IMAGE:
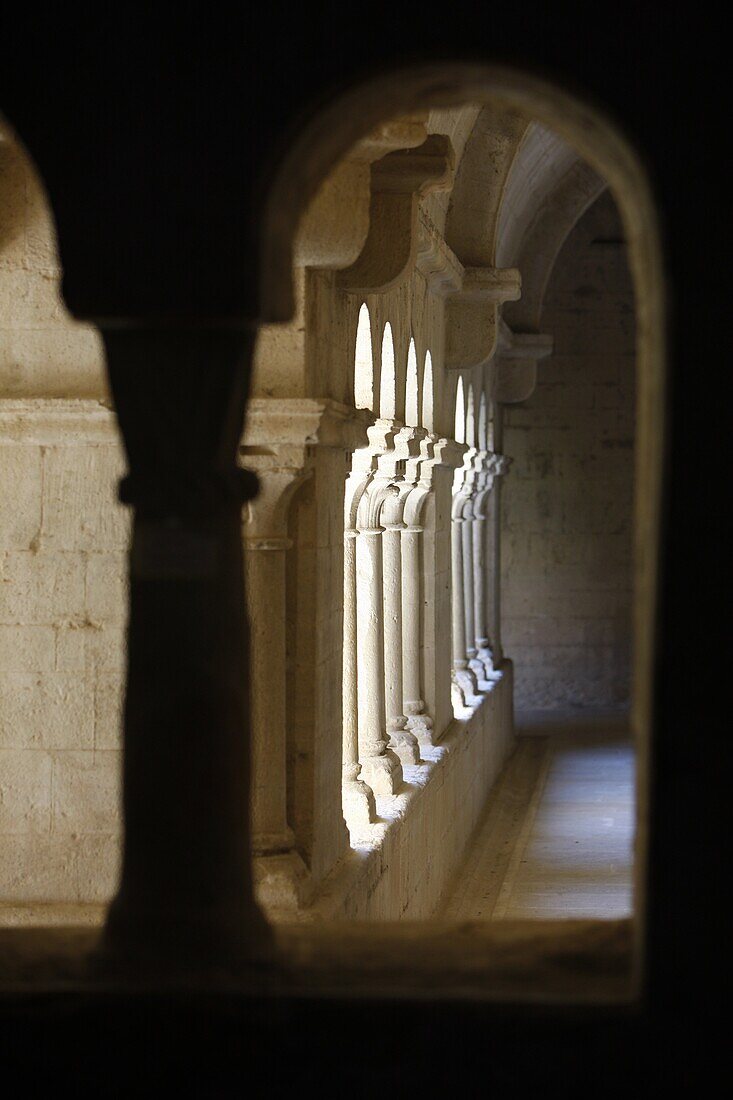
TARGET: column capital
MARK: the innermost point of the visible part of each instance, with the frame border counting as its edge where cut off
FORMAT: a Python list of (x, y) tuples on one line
[(304, 422), (517, 356), (472, 315), (449, 453)]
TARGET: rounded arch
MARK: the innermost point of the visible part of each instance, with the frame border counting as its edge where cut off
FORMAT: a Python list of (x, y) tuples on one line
[(403, 89), (459, 431), (387, 376), (364, 362), (412, 391)]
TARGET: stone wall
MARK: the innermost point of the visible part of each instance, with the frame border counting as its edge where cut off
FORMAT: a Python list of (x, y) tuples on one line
[(62, 610), (567, 543)]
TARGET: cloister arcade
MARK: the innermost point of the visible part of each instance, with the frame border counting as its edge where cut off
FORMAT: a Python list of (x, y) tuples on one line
[(381, 697)]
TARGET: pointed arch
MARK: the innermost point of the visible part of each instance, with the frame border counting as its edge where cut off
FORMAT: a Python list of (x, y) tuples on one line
[(412, 393), (364, 362), (388, 376), (427, 412), (460, 422), (482, 438), (470, 419)]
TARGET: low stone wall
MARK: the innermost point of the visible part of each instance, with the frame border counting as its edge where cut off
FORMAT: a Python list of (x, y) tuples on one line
[(402, 866)]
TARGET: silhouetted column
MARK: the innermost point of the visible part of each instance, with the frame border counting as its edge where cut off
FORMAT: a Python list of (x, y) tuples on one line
[(185, 894)]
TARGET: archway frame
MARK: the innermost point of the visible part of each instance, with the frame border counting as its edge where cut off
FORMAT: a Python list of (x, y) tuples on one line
[(351, 115)]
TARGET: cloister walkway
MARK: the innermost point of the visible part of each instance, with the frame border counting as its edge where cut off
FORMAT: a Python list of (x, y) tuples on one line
[(557, 835)]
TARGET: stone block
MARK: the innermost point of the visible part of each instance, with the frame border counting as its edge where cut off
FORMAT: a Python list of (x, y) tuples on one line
[(86, 792), (27, 648), (40, 586), (80, 509), (20, 495), (107, 589), (25, 791), (50, 710)]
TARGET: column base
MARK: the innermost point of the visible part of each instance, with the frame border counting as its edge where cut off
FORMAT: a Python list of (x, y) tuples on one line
[(281, 881), (359, 806), (467, 688), (383, 773), (421, 725), (404, 745), (485, 655)]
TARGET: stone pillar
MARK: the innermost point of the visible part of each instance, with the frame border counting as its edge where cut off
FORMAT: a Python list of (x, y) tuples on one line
[(502, 463), (265, 541), (413, 590), (474, 663), (185, 896), (381, 767), (299, 448), (483, 642), (401, 738), (358, 798), (464, 680)]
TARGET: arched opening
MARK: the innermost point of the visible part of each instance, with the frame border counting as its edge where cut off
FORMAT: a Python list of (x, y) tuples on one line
[(483, 437), (387, 376), (364, 362), (460, 414), (399, 511), (552, 166), (412, 393), (428, 396)]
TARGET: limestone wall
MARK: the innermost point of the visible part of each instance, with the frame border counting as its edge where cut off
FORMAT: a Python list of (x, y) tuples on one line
[(62, 610), (567, 543)]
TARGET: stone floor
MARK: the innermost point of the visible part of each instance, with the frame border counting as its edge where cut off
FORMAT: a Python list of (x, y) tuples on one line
[(556, 840)]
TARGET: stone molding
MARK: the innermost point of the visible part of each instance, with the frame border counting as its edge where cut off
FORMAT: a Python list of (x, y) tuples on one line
[(398, 181), (57, 421), (517, 356)]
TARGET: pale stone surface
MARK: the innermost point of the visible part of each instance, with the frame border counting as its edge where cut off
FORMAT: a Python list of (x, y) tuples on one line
[(557, 837), (568, 502), (63, 600), (63, 603)]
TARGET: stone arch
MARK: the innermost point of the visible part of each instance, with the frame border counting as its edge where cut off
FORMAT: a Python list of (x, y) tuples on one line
[(387, 375), (470, 437), (403, 89), (412, 390), (482, 440), (427, 405), (364, 361), (460, 413), (57, 357)]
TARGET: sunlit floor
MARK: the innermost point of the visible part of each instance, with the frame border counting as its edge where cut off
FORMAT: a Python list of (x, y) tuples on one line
[(557, 837)]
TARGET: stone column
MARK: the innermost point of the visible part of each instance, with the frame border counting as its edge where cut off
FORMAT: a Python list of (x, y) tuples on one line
[(381, 767), (185, 896), (299, 448), (358, 797), (266, 543), (401, 738), (464, 680), (483, 642), (502, 463)]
